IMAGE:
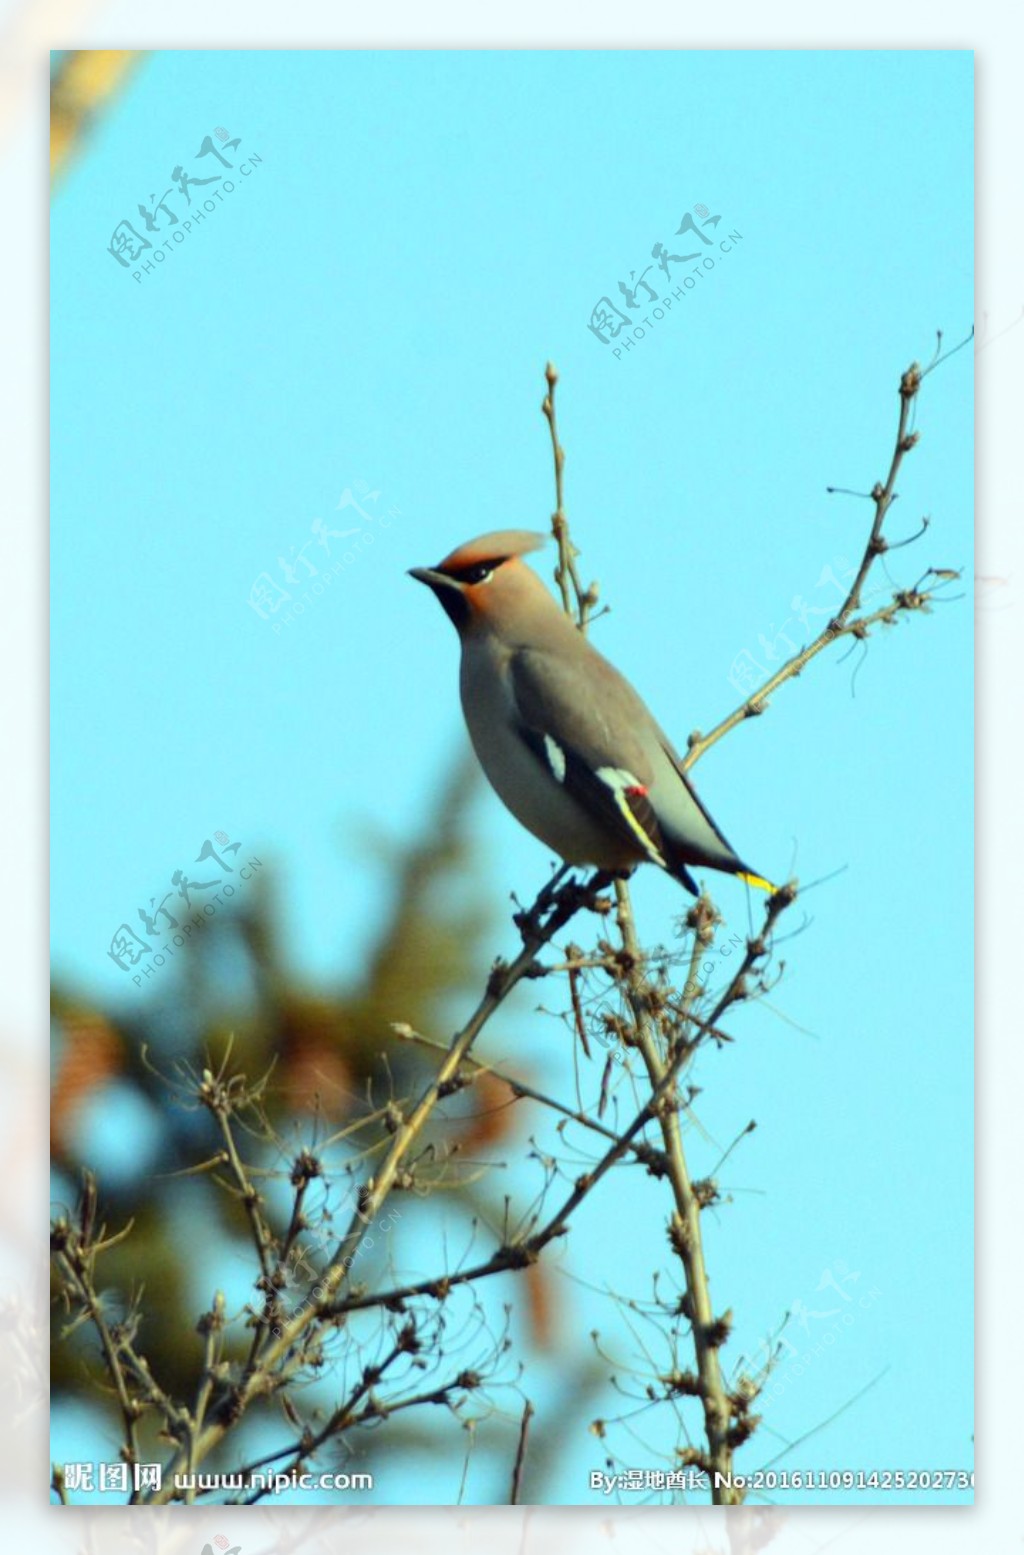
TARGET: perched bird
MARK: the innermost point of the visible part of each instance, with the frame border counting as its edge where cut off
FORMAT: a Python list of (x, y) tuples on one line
[(563, 738)]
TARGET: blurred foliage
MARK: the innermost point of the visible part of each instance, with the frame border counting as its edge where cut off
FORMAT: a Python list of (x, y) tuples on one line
[(331, 1060), (83, 82)]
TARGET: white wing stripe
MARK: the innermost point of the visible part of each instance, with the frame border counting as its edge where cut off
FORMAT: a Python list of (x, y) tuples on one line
[(556, 758)]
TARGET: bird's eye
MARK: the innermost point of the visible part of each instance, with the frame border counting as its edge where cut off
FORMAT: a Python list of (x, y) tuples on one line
[(475, 572)]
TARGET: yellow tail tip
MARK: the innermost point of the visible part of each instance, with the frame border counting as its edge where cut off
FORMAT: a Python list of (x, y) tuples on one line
[(757, 880)]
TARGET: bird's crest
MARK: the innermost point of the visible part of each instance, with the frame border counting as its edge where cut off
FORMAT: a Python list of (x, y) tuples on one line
[(498, 546)]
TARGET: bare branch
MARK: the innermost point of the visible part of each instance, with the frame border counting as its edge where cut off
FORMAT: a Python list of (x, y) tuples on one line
[(845, 622), (520, 1463)]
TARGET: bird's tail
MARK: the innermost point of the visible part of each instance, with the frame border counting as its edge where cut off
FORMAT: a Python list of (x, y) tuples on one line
[(756, 880), (682, 874)]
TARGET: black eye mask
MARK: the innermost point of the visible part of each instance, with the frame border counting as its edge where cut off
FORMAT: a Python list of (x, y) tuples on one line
[(473, 574)]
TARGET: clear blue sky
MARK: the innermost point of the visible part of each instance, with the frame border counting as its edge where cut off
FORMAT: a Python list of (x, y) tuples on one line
[(370, 311)]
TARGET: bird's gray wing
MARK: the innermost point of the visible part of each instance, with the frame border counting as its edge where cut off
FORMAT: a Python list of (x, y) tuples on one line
[(580, 714), (584, 724)]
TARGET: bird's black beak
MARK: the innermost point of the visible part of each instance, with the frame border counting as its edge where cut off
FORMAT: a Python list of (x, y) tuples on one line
[(433, 579), (446, 591)]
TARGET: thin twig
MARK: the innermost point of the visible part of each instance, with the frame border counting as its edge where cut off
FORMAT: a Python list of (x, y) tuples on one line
[(685, 1228), (577, 601), (844, 622), (520, 1463), (708, 1332), (76, 1249), (520, 1088), (550, 913), (521, 1254)]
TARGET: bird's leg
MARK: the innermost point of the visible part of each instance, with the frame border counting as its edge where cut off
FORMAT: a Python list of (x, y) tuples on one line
[(588, 893), (558, 876), (600, 881), (549, 894), (558, 902), (528, 919)]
